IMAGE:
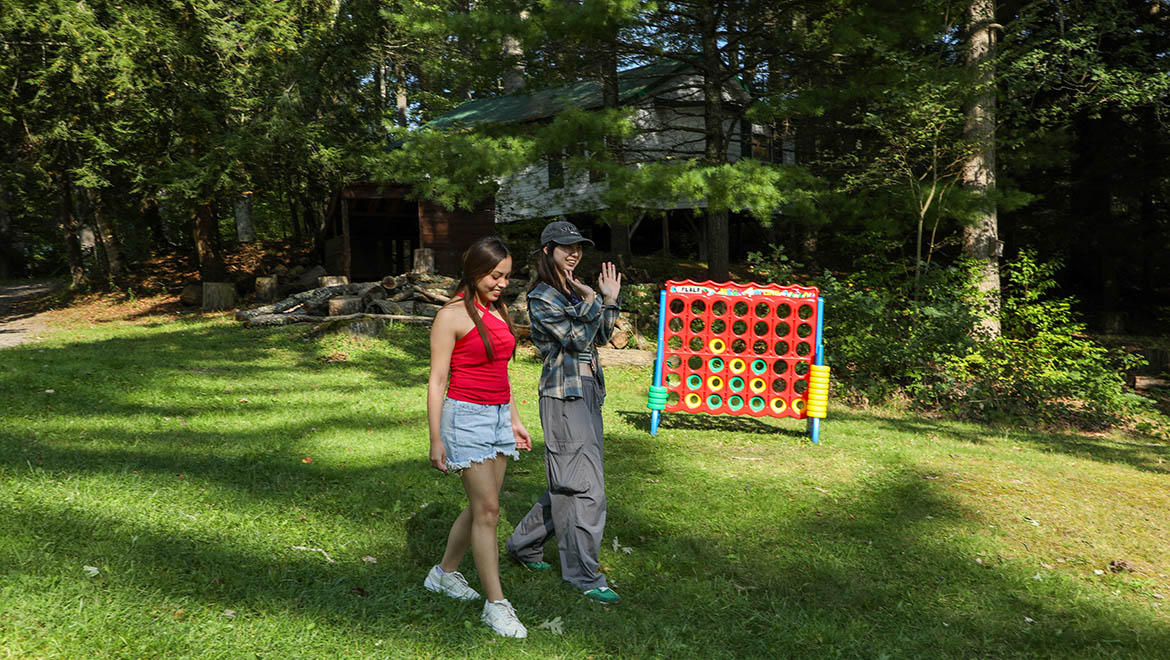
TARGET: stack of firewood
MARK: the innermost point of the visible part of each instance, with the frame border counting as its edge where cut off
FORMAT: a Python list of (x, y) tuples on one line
[(412, 298)]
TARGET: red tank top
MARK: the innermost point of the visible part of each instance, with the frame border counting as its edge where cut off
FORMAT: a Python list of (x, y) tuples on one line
[(474, 377)]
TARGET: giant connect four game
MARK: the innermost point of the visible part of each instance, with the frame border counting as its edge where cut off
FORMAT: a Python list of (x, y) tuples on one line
[(740, 349)]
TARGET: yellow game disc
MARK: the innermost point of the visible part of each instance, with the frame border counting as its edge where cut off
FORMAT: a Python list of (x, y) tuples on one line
[(738, 366), (717, 345), (757, 385), (778, 405), (715, 383), (693, 400)]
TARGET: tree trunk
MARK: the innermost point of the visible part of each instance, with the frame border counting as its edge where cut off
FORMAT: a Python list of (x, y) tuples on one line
[(152, 218), (107, 236), (69, 228), (400, 92), (513, 53), (715, 149), (211, 263), (981, 238), (245, 229)]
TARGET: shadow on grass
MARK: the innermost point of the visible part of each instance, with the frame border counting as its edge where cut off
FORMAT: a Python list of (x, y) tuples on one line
[(718, 567), (704, 422), (1145, 456)]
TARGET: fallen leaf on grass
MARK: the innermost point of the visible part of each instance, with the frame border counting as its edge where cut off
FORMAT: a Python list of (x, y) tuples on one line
[(50, 391), (91, 571), (1119, 565), (231, 614), (617, 547), (359, 592), (244, 401), (335, 356), (1029, 620), (307, 459), (369, 560), (1097, 571), (555, 626)]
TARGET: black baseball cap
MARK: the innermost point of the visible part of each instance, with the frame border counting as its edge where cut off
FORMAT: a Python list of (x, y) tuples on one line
[(562, 232)]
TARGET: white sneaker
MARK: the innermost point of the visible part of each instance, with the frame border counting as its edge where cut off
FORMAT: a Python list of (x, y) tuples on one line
[(453, 584), (501, 617)]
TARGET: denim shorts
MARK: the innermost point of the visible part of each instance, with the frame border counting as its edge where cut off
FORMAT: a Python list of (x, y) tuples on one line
[(476, 432)]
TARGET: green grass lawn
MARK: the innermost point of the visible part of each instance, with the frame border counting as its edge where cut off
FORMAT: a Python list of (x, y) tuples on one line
[(187, 460)]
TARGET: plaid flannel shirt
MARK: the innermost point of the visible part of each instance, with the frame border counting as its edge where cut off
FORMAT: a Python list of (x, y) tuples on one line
[(562, 330)]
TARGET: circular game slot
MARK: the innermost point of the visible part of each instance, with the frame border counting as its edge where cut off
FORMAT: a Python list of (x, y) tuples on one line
[(675, 324), (779, 385), (759, 366), (803, 330), (693, 400), (779, 367), (694, 381), (757, 385), (714, 383), (718, 326), (781, 348), (697, 325), (760, 328), (694, 363), (698, 307), (715, 364), (717, 345), (739, 327), (800, 368), (778, 405), (735, 402), (719, 308), (713, 401), (672, 399), (738, 346), (674, 342), (762, 309), (735, 383), (696, 344), (737, 365), (673, 379), (800, 387), (783, 311), (740, 308), (782, 329), (760, 347), (798, 405), (674, 361), (677, 305), (803, 348), (805, 311), (756, 403)]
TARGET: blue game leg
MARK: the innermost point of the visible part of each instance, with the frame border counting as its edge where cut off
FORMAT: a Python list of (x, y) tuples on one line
[(655, 415), (814, 426)]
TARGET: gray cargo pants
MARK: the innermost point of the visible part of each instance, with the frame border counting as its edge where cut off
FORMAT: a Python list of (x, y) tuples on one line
[(573, 507)]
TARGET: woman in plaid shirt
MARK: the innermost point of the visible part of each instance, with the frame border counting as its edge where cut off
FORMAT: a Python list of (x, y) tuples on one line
[(568, 321)]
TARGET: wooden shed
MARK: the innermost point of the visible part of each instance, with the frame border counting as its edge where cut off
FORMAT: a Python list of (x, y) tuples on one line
[(373, 230)]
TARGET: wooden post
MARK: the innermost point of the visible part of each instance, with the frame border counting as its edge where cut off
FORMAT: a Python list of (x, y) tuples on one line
[(266, 288), (218, 295), (424, 261), (345, 250)]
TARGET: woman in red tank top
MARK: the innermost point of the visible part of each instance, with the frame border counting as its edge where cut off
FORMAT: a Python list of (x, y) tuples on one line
[(473, 425)]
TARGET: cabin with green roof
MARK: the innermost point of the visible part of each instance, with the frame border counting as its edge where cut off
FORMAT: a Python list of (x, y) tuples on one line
[(667, 102)]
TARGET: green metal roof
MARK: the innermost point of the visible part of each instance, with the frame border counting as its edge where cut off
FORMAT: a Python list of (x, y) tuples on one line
[(633, 84)]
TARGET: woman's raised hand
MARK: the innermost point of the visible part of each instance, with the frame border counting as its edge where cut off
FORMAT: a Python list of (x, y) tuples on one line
[(609, 282)]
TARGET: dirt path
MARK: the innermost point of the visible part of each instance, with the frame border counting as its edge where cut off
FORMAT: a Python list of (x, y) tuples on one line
[(16, 325)]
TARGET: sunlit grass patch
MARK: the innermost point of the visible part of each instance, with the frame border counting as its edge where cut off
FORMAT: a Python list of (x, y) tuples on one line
[(231, 486)]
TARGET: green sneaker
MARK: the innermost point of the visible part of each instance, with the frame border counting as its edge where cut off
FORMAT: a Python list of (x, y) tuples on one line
[(603, 595), (538, 566)]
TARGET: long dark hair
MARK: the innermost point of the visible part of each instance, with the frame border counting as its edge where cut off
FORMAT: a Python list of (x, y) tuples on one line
[(546, 271), (479, 260)]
